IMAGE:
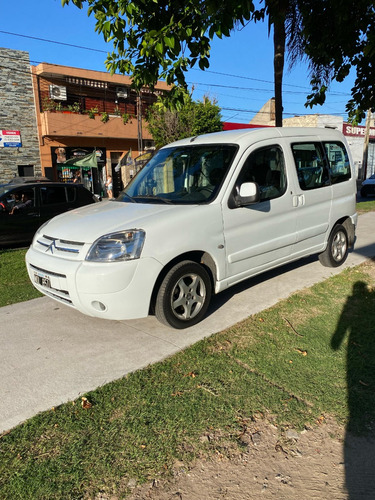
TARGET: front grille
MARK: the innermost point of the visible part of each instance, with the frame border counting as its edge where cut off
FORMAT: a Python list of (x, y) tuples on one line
[(58, 247)]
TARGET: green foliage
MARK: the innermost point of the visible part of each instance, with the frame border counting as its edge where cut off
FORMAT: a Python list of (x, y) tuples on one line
[(192, 118), (92, 112), (104, 117), (15, 284), (126, 117), (344, 42), (162, 39)]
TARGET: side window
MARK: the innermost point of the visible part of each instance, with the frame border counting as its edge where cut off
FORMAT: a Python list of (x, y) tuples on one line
[(52, 195), (71, 193), (311, 166), (338, 159), (23, 198), (266, 167), (83, 195)]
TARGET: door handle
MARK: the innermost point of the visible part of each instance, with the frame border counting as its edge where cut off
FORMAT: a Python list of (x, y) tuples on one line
[(298, 200)]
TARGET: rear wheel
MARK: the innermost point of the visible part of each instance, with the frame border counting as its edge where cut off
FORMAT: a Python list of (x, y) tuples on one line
[(184, 295), (337, 248)]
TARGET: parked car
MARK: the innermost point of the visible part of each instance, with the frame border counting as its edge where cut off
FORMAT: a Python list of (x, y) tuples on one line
[(368, 186), (19, 222), (202, 215)]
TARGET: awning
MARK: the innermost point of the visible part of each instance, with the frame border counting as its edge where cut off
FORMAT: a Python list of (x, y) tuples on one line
[(88, 161)]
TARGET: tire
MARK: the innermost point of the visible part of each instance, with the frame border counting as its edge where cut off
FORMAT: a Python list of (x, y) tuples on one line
[(337, 248), (184, 295)]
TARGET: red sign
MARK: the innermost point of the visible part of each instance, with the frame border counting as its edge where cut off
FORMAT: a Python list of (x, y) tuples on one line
[(356, 130), (10, 138)]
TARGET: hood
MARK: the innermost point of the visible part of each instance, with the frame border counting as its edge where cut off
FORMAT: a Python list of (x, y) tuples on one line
[(88, 223)]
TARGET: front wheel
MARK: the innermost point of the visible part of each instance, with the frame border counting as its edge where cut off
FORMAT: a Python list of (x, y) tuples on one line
[(184, 295), (337, 248)]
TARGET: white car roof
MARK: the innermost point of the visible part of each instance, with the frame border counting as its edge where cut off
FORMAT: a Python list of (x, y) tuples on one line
[(247, 136)]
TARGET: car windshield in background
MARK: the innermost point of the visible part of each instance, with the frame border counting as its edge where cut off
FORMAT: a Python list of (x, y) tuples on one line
[(5, 188), (184, 174)]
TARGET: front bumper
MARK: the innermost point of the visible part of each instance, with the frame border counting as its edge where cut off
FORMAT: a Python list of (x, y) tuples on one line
[(117, 291)]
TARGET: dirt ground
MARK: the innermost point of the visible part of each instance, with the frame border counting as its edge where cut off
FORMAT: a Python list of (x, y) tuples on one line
[(315, 464)]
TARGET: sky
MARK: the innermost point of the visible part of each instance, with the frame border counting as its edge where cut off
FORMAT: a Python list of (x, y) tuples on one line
[(240, 76)]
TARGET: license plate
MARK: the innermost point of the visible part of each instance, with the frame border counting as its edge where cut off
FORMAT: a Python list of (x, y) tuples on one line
[(42, 280)]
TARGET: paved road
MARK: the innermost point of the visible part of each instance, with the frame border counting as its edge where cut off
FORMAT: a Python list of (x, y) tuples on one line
[(51, 354)]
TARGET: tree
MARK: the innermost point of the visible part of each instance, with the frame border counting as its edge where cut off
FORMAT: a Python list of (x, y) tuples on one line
[(193, 118), (161, 39), (344, 41), (285, 18)]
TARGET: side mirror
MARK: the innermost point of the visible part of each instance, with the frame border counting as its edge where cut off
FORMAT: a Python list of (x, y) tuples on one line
[(248, 194)]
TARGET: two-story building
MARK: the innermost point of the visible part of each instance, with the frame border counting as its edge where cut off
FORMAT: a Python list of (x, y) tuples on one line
[(79, 111)]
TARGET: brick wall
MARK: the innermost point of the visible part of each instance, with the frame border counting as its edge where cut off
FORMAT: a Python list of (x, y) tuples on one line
[(17, 112)]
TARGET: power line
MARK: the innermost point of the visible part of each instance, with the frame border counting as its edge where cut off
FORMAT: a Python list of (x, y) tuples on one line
[(232, 87), (241, 110), (252, 88), (54, 41), (194, 69), (248, 78)]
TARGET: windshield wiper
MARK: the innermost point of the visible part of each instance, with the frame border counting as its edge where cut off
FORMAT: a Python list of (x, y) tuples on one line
[(123, 194), (153, 198)]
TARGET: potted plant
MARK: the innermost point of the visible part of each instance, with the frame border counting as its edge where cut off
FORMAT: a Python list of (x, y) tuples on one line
[(104, 117), (92, 112), (48, 104), (126, 117), (74, 108)]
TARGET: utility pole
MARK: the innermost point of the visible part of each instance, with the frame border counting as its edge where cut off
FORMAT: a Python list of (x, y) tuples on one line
[(139, 121), (365, 145)]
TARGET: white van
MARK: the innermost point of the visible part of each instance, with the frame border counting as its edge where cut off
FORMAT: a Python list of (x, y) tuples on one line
[(204, 214)]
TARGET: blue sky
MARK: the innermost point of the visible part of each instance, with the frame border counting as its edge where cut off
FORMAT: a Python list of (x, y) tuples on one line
[(240, 76)]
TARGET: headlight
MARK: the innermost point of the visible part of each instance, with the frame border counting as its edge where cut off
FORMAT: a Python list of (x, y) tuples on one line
[(114, 247)]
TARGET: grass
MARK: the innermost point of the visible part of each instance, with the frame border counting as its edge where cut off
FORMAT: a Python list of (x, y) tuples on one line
[(310, 357), (15, 284), (366, 206)]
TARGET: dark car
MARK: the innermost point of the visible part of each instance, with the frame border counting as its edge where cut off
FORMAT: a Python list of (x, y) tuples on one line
[(368, 186), (26, 206)]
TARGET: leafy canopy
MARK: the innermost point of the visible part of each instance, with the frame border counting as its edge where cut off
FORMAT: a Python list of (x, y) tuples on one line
[(194, 118), (339, 37), (161, 39)]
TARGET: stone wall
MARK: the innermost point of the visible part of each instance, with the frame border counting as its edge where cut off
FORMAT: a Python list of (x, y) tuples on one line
[(17, 112)]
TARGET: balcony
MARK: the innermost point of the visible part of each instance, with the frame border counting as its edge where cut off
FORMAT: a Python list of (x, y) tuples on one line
[(70, 124)]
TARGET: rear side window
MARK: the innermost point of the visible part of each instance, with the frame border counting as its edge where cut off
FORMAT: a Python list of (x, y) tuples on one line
[(311, 165), (82, 195), (338, 160), (52, 195), (266, 167), (71, 193)]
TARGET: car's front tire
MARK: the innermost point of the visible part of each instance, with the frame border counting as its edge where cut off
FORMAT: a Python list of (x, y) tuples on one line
[(184, 295)]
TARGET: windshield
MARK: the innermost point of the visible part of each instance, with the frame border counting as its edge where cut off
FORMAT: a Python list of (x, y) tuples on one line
[(4, 188), (183, 174)]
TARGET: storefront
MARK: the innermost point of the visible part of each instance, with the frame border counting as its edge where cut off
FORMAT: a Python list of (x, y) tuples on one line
[(67, 164)]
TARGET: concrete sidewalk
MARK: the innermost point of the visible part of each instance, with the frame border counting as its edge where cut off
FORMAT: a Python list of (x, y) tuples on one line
[(51, 354)]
